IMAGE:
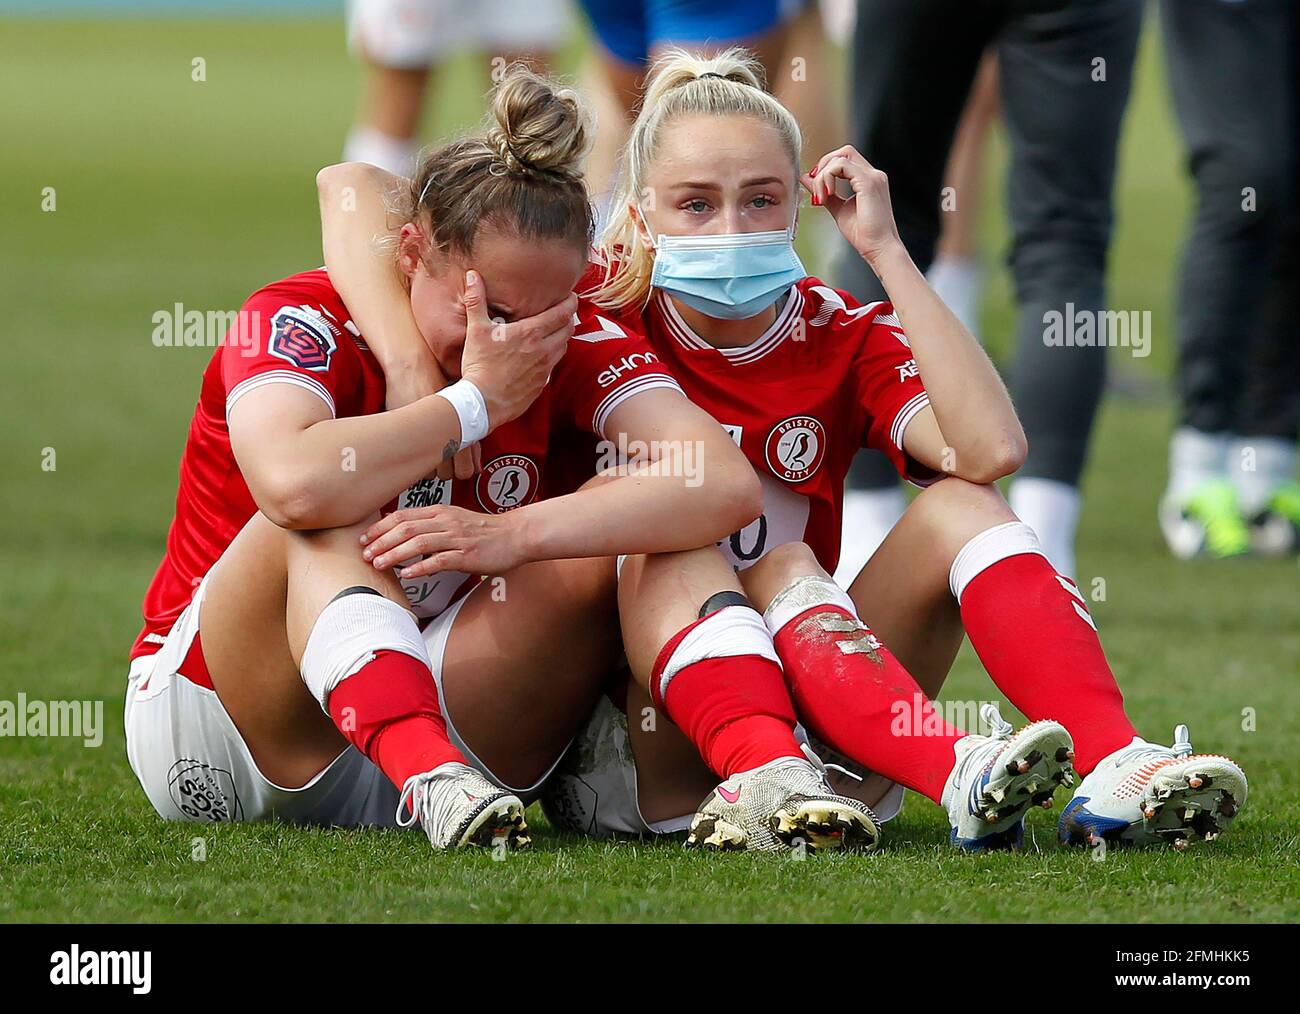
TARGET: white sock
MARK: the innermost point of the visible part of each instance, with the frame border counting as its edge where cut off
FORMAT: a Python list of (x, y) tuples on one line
[(1194, 459), (1051, 509), (993, 545), (348, 633), (731, 631), (802, 594), (603, 203), (957, 281), (1257, 467), (395, 154), (869, 514), (838, 17)]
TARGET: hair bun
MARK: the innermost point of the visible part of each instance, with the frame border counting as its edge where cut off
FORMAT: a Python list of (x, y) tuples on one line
[(537, 126)]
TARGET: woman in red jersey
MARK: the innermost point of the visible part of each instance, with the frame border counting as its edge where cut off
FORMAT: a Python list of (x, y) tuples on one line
[(282, 671), (731, 644)]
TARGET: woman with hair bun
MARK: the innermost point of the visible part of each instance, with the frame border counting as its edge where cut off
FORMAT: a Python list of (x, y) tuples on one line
[(319, 613)]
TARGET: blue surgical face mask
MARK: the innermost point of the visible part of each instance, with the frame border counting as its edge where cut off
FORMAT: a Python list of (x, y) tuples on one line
[(732, 276)]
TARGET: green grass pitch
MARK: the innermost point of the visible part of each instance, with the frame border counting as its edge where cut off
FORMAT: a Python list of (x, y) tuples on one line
[(171, 190)]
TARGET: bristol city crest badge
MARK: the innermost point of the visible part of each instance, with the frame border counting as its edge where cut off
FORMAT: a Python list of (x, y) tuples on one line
[(795, 448), (507, 481)]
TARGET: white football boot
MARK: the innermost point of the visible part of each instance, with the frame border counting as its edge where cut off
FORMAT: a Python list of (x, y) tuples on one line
[(847, 777), (457, 807), (1144, 794), (779, 806), (997, 778)]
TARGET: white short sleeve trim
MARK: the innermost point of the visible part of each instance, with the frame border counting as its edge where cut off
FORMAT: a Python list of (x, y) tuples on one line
[(628, 390), (906, 414), (279, 377)]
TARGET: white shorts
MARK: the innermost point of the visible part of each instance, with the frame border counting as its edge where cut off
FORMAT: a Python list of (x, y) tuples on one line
[(594, 788), (412, 34), (194, 765)]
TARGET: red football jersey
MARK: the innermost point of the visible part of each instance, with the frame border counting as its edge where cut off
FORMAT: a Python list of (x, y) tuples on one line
[(297, 331), (828, 377)]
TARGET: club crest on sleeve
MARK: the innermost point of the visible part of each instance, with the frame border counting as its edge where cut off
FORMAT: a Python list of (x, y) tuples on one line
[(303, 337), (506, 482), (795, 448)]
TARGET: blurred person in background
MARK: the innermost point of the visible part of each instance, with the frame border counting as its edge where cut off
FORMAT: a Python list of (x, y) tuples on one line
[(404, 42), (806, 80), (957, 276), (1065, 68), (630, 34), (1233, 67)]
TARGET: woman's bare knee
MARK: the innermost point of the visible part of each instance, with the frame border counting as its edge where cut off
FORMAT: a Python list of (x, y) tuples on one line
[(659, 595), (777, 569), (954, 511)]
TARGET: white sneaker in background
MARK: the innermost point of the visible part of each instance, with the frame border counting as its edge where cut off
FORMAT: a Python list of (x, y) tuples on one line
[(959, 283), (397, 155)]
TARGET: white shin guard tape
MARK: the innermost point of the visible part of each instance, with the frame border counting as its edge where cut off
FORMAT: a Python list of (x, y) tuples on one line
[(1011, 538), (802, 594), (347, 634), (731, 631)]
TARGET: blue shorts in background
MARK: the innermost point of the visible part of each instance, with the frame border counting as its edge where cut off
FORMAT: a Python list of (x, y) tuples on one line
[(630, 29)]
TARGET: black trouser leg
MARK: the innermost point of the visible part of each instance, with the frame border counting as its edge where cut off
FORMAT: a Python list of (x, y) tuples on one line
[(913, 63), (1234, 96), (1063, 123)]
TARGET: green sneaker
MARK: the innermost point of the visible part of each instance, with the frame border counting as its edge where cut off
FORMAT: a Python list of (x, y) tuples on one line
[(1275, 531), (1209, 523)]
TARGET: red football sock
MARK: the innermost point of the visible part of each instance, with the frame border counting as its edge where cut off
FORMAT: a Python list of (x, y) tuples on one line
[(718, 680), (388, 709), (861, 701), (1031, 630)]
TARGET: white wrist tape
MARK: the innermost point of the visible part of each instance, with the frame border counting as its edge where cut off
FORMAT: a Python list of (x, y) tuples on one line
[(470, 408)]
